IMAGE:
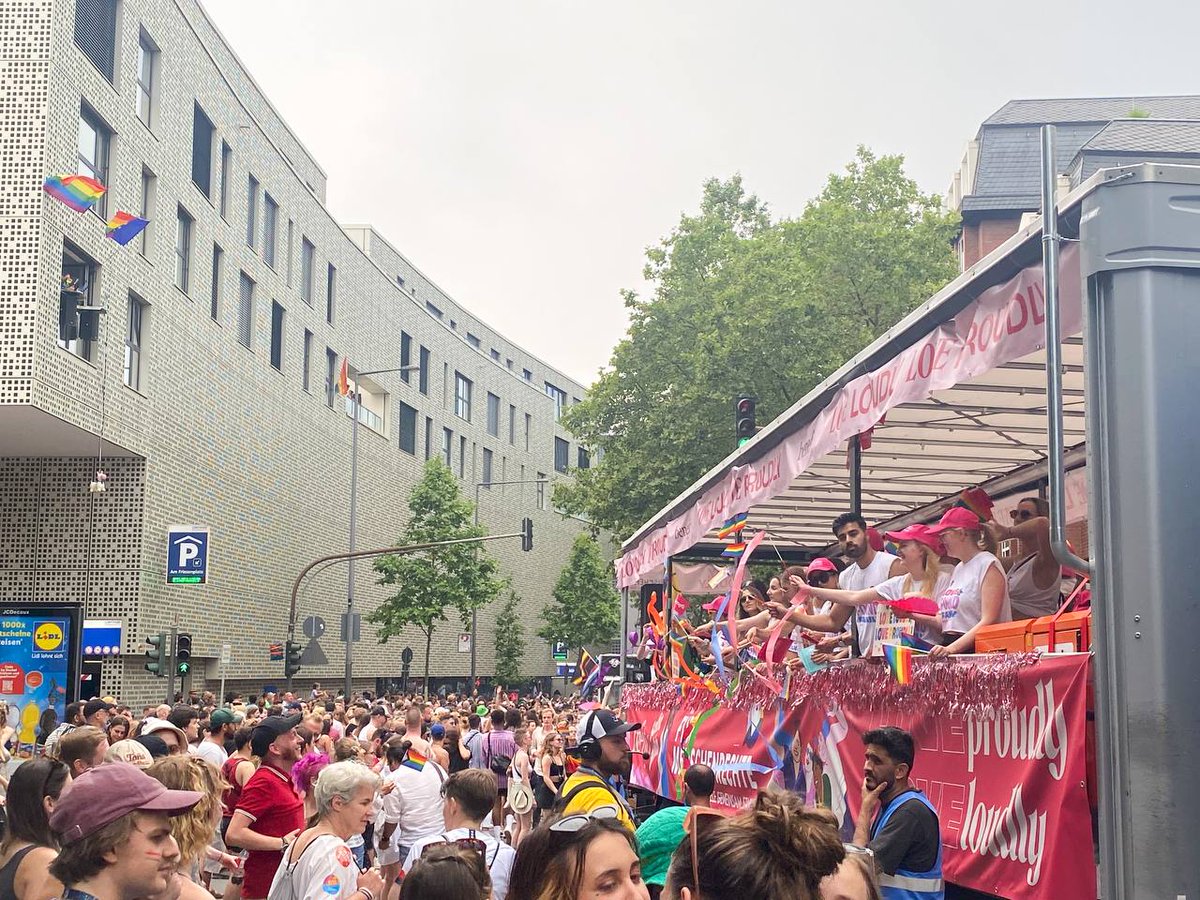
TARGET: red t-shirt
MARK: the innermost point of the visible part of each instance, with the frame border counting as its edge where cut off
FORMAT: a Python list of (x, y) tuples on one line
[(274, 809)]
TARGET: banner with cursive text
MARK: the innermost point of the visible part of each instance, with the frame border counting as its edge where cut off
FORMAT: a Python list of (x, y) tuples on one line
[(1010, 790)]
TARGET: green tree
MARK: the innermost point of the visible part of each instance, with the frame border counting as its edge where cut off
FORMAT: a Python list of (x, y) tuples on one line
[(586, 608), (461, 577), (510, 641), (744, 305)]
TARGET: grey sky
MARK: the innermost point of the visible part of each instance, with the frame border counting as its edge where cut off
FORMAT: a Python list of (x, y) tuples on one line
[(530, 151)]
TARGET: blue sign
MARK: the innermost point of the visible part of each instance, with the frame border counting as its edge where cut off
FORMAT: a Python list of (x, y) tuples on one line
[(101, 637), (187, 555)]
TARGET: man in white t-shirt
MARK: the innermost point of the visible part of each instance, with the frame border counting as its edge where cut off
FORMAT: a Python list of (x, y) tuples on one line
[(378, 720), (411, 811), (220, 729), (469, 797)]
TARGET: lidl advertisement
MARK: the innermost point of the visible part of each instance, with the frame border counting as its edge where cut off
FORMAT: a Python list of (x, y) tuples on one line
[(38, 652)]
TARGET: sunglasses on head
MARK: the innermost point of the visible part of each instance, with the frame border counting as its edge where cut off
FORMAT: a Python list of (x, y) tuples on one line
[(691, 827), (569, 826), (474, 844)]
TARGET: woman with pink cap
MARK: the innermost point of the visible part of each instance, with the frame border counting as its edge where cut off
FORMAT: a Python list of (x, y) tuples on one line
[(978, 591)]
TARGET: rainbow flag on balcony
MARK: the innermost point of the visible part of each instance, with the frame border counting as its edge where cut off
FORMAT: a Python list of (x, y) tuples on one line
[(124, 227), (77, 191)]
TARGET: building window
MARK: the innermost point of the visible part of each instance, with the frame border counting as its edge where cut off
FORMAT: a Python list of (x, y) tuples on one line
[(291, 250), (183, 249), (330, 293), (487, 468), (371, 403), (512, 424), (218, 278), (433, 310), (202, 145), (495, 354), (96, 33), (462, 457), (270, 229), (559, 396), (134, 333), (493, 415), (472, 340), (95, 141), (405, 356), (423, 372), (541, 490), (245, 316), (562, 455), (277, 316), (462, 396), (447, 445), (147, 64), (251, 210), (408, 429), (80, 271), (528, 428), (428, 438), (527, 375), (149, 192), (585, 459), (508, 364), (330, 377), (226, 171), (308, 254), (307, 360)]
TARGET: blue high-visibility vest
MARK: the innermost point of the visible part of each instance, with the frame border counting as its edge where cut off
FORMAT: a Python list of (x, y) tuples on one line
[(907, 884)]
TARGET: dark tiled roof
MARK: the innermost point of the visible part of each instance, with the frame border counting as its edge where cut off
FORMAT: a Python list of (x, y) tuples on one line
[(1010, 160), (1146, 136), (1092, 109)]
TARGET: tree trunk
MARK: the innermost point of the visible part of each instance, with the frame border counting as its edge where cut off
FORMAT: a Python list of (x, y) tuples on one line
[(428, 645)]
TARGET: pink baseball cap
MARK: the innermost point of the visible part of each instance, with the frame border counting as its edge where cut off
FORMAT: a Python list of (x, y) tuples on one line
[(714, 604), (921, 533), (957, 517), (821, 564), (102, 795)]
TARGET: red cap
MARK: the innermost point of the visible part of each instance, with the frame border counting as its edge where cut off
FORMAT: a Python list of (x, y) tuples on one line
[(874, 540), (821, 564), (102, 795), (956, 517), (920, 533), (978, 501)]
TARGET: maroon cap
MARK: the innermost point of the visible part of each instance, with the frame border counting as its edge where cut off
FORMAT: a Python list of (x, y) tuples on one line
[(957, 517), (102, 795)]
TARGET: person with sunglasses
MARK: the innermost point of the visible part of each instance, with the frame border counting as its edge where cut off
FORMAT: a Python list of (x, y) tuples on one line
[(29, 845), (468, 798), (580, 857), (660, 835), (1035, 579)]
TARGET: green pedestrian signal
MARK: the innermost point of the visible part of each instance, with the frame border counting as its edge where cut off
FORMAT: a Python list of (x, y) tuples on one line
[(183, 653)]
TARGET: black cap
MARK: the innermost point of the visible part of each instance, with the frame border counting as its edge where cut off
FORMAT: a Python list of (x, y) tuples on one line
[(268, 729), (601, 723), (94, 706)]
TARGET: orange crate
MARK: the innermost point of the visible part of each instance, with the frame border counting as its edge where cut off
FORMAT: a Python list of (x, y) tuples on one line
[(1072, 632), (1004, 637)]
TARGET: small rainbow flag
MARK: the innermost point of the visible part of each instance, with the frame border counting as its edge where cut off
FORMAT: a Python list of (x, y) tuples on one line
[(899, 660), (77, 191), (734, 551), (124, 227), (414, 760), (909, 640), (732, 526), (343, 382)]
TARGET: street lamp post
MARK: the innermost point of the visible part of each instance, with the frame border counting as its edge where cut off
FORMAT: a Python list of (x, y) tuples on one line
[(355, 405), (475, 612)]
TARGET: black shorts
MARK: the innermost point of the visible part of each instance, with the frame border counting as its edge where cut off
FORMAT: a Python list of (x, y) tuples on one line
[(221, 830)]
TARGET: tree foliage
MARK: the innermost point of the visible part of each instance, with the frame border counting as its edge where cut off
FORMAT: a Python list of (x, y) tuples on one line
[(510, 641), (461, 577), (742, 304), (586, 608)]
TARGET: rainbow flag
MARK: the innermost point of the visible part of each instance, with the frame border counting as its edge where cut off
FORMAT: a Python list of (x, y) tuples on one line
[(586, 667), (909, 640), (77, 191), (414, 760), (343, 382), (124, 227), (734, 551), (732, 526), (899, 660)]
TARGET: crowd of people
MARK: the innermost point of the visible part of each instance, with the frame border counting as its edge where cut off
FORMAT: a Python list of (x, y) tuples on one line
[(288, 798)]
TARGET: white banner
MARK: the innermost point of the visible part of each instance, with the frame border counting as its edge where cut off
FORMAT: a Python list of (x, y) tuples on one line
[(1005, 323)]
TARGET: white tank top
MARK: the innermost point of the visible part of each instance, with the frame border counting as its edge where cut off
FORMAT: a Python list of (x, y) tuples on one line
[(961, 604), (856, 578), (1028, 600)]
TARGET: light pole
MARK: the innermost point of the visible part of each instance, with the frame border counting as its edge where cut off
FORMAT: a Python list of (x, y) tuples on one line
[(475, 612), (354, 410)]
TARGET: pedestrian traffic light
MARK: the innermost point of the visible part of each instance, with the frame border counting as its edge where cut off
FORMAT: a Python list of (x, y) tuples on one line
[(183, 653), (743, 416), (527, 534), (291, 658), (156, 656)]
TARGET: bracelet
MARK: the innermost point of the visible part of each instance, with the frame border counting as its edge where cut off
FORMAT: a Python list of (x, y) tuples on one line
[(366, 893)]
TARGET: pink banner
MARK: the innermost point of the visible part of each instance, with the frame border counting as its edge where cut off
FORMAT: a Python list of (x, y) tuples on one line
[(1005, 323)]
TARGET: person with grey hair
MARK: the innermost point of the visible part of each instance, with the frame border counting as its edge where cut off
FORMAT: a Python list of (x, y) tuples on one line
[(319, 863)]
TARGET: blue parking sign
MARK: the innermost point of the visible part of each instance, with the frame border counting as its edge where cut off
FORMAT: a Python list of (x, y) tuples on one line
[(187, 555)]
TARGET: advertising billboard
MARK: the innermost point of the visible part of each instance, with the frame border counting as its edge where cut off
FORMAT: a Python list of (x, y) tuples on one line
[(39, 663)]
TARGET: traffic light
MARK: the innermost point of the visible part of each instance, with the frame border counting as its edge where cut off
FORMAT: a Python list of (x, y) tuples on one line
[(743, 416), (527, 534), (156, 656), (183, 653), (291, 658)]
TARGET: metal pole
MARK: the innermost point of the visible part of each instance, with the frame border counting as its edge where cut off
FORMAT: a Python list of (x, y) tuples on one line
[(856, 474), (353, 522), (474, 611), (624, 630), (1054, 400)]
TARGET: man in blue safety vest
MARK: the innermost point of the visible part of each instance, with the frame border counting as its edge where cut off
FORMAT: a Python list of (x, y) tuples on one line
[(897, 822)]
